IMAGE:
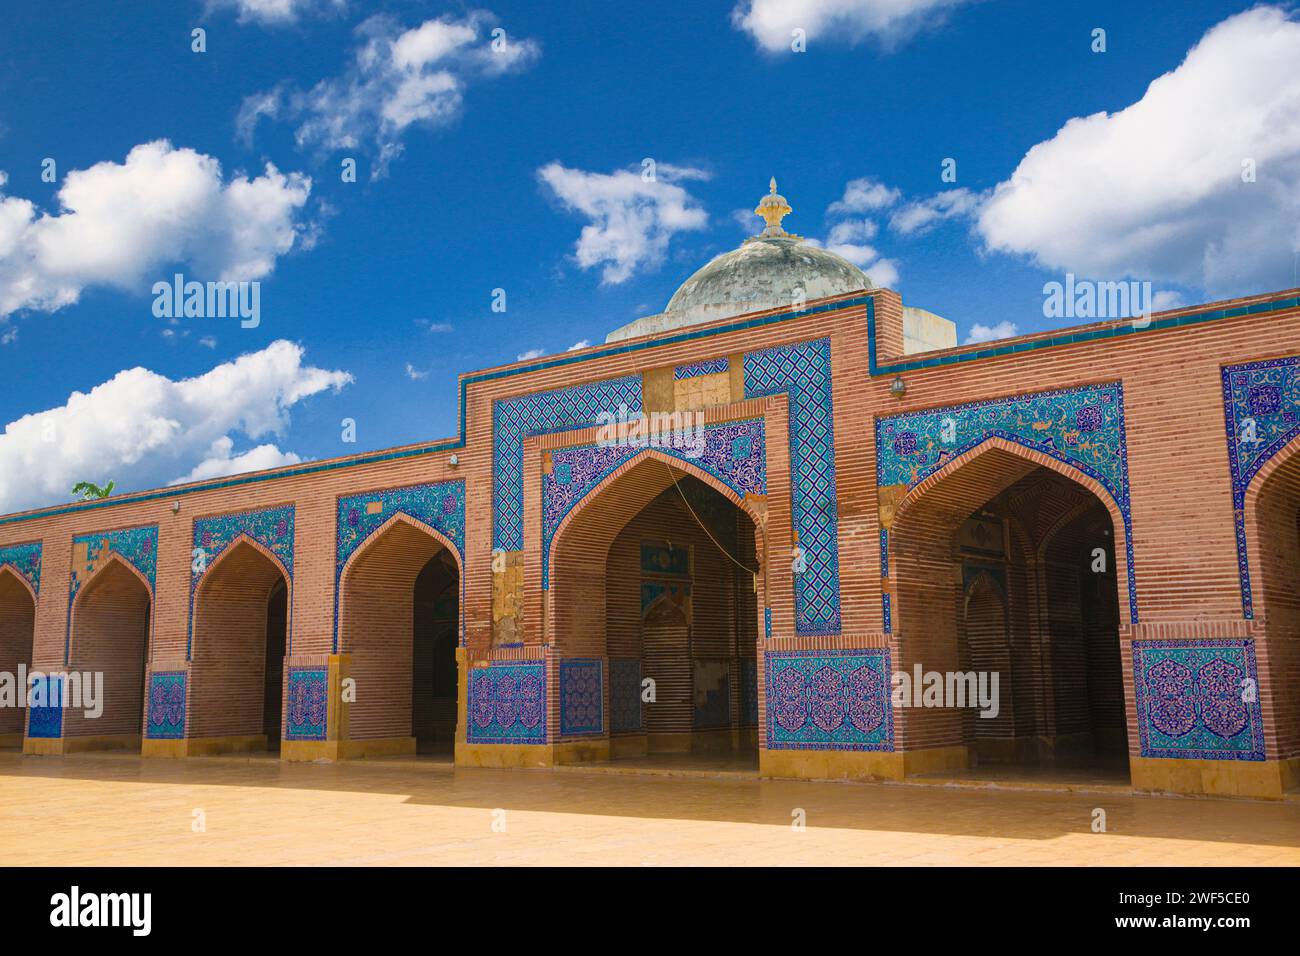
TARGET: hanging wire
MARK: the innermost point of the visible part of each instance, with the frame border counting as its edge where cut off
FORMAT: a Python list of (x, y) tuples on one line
[(733, 559)]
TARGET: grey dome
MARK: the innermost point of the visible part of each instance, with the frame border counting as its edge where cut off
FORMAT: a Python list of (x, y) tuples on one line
[(773, 270), (766, 273)]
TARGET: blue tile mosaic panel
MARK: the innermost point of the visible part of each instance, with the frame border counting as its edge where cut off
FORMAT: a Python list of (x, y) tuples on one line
[(1261, 410), (1198, 699), (1081, 427), (696, 369), (25, 560), (664, 559), (507, 703), (272, 528), (307, 710), (582, 697), (803, 371), (829, 700), (137, 546), (539, 414), (45, 706), (735, 453), (166, 716), (625, 696), (440, 505)]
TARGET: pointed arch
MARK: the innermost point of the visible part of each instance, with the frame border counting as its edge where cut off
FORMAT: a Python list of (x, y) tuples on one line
[(18, 603), (990, 467), (381, 628)]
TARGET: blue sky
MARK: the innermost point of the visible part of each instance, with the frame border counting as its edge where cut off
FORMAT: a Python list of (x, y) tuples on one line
[(519, 168)]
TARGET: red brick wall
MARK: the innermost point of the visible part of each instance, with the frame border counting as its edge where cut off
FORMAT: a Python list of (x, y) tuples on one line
[(227, 690), (377, 626), (17, 621), (110, 631), (1185, 545)]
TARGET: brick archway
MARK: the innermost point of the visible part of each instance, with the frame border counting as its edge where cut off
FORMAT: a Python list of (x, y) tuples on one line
[(606, 604), (1272, 515), (1045, 512), (237, 656), (379, 613), (17, 633), (1019, 461), (110, 627), (594, 520)]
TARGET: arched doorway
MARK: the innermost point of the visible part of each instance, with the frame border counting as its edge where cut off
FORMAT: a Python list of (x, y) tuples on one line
[(399, 613), (110, 635), (237, 667), (1007, 597), (17, 631), (1273, 512), (657, 573)]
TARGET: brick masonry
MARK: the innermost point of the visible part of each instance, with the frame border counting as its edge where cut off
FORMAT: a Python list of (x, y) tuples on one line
[(1179, 542)]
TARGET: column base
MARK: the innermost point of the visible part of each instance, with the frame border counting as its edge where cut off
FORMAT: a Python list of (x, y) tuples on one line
[(311, 750), (61, 746), (859, 764), (504, 755), (1264, 779), (204, 746)]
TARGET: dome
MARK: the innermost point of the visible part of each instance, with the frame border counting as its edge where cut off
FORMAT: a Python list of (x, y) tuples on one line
[(773, 270), (766, 272)]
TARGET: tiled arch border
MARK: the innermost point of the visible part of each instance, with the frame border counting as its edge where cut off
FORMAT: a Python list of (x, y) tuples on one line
[(136, 547), (269, 530), (1012, 444), (1249, 471), (623, 458), (24, 559), (424, 506), (723, 487)]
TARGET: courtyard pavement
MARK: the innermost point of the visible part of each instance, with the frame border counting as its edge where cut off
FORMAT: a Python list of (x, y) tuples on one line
[(91, 809)]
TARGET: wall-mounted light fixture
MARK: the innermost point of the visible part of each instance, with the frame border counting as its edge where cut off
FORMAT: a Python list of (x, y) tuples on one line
[(898, 388), (454, 460), (176, 506)]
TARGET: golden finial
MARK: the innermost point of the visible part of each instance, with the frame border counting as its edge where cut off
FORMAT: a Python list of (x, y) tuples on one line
[(773, 208)]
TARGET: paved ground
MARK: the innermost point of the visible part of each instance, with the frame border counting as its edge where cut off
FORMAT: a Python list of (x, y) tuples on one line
[(121, 809)]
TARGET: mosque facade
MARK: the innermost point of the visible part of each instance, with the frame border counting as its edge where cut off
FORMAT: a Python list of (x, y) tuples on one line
[(788, 521)]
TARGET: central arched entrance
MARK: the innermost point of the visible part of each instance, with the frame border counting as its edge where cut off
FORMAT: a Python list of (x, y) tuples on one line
[(399, 614), (1007, 577), (17, 629), (240, 631), (657, 574)]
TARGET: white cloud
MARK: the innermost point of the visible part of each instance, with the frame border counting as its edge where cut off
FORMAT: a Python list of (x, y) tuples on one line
[(585, 343), (122, 224), (142, 429), (1155, 191), (772, 22), (864, 195), (398, 79), (987, 333), (630, 220), (438, 327), (275, 12), (530, 355), (220, 463), (920, 215), (414, 374)]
